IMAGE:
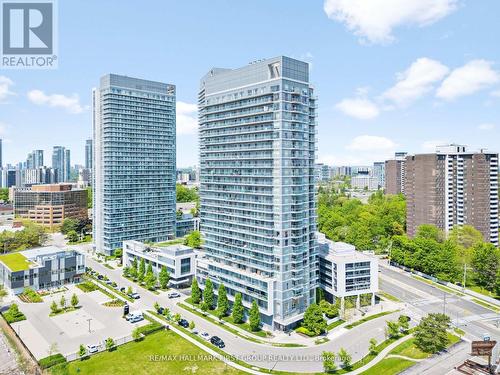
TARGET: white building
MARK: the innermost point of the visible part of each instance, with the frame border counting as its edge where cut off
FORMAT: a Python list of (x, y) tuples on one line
[(179, 260), (364, 182), (345, 272)]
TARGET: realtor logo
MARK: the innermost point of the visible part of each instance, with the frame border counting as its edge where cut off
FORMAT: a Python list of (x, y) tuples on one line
[(28, 34)]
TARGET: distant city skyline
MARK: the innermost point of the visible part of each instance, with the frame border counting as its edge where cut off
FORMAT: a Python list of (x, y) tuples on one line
[(385, 84)]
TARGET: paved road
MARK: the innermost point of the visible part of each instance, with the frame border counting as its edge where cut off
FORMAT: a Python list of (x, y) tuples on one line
[(355, 341), (423, 298), (8, 362)]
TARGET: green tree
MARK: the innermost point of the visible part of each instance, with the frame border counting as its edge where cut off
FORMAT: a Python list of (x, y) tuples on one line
[(69, 225), (208, 295), (392, 329), (164, 277), (373, 346), (430, 334), (193, 239), (129, 290), (404, 323), (62, 302), (3, 293), (89, 197), (430, 232), (110, 343), (74, 300), (82, 352), (329, 365), (4, 194), (185, 194), (192, 325), (222, 301), (345, 358), (254, 317), (313, 319), (136, 334), (195, 292), (142, 270), (150, 280), (176, 317), (238, 309), (485, 264), (156, 306), (53, 307)]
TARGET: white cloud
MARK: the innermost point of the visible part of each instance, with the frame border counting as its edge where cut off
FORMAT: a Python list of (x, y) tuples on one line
[(374, 20), (360, 108), (486, 126), (70, 103), (371, 143), (473, 76), (495, 93), (362, 150), (5, 84), (416, 81), (187, 122), (430, 146)]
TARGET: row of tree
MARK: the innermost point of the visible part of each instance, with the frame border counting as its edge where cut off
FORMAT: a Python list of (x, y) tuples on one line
[(446, 257), (139, 272), (207, 300), (367, 226), (185, 194)]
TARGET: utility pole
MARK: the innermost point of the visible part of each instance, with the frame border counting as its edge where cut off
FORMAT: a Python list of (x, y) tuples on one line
[(444, 303)]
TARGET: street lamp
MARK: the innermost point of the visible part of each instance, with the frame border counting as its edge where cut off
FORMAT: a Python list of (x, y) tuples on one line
[(88, 320)]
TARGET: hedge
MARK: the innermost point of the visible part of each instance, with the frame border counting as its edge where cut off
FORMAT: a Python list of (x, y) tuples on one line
[(51, 360), (305, 331), (150, 328)]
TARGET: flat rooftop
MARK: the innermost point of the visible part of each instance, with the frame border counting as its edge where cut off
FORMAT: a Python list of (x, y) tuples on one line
[(41, 251), (16, 262)]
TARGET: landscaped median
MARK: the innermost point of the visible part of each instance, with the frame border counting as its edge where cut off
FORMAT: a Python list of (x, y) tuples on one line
[(368, 318)]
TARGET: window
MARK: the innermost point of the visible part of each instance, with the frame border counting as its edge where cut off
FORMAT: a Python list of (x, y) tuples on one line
[(185, 266)]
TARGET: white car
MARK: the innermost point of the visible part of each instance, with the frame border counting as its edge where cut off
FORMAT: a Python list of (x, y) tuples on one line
[(205, 336), (92, 349), (173, 295)]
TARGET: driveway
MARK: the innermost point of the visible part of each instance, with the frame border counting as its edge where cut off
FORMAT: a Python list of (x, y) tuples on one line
[(355, 341)]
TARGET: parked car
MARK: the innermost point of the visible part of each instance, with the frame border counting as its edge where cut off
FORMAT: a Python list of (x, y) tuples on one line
[(183, 323), (194, 331), (173, 295), (92, 348), (205, 336), (100, 277), (136, 319), (134, 295), (217, 341), (109, 282), (123, 289), (160, 310), (133, 315)]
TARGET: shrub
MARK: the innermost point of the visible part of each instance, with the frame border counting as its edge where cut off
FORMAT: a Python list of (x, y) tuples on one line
[(150, 328), (51, 360), (305, 331), (13, 314)]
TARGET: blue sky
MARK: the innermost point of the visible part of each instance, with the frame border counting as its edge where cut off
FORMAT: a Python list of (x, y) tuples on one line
[(390, 74)]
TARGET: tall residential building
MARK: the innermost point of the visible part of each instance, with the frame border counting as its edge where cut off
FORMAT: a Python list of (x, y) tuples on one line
[(35, 159), (453, 187), (67, 165), (395, 170), (60, 164), (88, 154), (379, 173), (134, 163), (258, 212)]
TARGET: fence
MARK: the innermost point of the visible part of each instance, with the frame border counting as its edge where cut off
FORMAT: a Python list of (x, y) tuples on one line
[(20, 346), (101, 347)]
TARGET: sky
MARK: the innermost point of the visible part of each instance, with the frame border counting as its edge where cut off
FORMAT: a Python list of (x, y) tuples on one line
[(390, 74)]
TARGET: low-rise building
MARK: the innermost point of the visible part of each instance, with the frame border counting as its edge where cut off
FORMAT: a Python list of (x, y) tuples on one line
[(40, 268), (185, 224), (364, 182), (49, 205), (345, 272), (179, 260)]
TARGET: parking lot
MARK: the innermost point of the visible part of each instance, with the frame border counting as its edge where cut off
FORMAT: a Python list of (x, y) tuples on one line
[(92, 323)]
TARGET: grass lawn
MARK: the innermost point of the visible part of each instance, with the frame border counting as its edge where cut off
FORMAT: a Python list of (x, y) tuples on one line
[(388, 296), (389, 366), (368, 318), (486, 304), (453, 339), (180, 357), (408, 349), (65, 310), (334, 324), (177, 241), (15, 262), (483, 291)]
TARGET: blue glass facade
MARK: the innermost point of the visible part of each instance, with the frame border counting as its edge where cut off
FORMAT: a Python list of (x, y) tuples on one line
[(134, 161), (257, 189)]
